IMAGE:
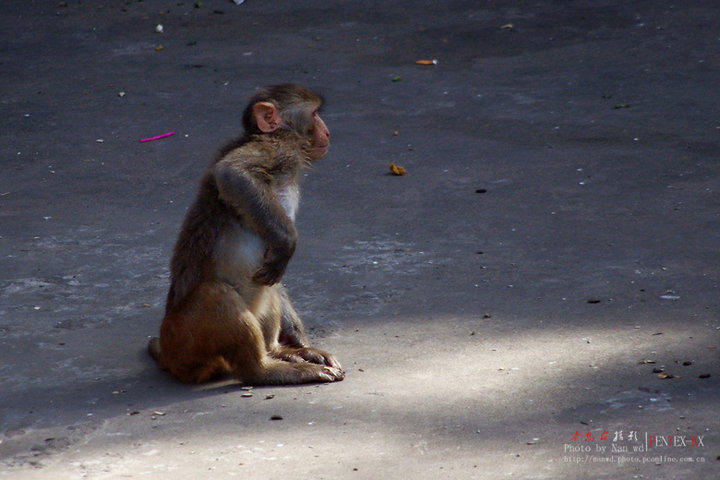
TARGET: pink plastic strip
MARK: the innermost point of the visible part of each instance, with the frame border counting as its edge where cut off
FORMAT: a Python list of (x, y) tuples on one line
[(158, 137)]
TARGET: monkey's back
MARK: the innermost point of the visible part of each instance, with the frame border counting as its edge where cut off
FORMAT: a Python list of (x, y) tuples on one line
[(196, 240)]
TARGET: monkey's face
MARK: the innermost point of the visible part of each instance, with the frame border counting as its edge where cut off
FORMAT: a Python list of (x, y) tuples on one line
[(321, 138)]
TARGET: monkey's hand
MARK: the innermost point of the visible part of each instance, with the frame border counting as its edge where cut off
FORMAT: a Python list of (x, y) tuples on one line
[(310, 355), (320, 357), (280, 241), (274, 264)]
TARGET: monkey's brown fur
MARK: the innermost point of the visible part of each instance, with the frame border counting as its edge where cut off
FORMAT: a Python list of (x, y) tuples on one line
[(226, 313)]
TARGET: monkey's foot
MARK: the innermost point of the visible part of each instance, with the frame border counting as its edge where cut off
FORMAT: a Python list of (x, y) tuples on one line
[(307, 354), (333, 374), (330, 373), (278, 372)]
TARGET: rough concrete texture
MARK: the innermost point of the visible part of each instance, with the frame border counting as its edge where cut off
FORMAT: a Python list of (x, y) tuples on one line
[(500, 309)]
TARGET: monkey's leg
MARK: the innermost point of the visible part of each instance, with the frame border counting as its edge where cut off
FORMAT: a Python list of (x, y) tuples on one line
[(294, 344), (269, 368), (214, 332), (188, 345)]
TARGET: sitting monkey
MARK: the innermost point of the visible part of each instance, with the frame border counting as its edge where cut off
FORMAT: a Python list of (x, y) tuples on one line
[(226, 313)]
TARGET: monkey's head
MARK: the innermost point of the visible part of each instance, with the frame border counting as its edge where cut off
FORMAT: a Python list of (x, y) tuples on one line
[(291, 107)]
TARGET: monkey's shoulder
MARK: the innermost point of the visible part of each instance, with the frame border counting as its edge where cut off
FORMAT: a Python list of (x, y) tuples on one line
[(268, 154)]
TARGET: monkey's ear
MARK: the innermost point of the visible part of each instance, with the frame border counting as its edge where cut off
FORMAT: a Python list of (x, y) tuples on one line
[(267, 117)]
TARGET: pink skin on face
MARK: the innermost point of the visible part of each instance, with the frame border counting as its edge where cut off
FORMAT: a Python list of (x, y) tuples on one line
[(321, 138)]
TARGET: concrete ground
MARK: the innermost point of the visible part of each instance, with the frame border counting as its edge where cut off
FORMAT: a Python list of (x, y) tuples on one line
[(507, 309)]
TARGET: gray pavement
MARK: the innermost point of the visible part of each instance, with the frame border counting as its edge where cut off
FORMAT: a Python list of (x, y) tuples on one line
[(507, 309)]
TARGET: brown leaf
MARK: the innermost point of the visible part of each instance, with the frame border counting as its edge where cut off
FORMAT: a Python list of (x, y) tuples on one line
[(397, 170)]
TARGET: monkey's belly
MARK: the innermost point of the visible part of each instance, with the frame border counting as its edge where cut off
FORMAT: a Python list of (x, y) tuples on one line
[(239, 254)]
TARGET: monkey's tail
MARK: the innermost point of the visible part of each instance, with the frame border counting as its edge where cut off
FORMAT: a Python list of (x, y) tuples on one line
[(154, 348)]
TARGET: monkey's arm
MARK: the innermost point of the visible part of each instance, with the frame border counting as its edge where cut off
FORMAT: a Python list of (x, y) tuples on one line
[(292, 331), (247, 192)]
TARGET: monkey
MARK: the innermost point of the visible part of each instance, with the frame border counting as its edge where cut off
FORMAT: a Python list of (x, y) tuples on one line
[(226, 312)]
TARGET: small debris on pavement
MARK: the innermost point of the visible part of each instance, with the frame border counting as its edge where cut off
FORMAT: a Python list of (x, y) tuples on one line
[(397, 170)]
